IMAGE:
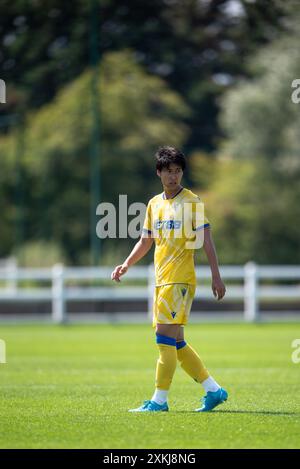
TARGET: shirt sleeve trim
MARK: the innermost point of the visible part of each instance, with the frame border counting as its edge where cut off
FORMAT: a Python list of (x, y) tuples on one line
[(202, 226)]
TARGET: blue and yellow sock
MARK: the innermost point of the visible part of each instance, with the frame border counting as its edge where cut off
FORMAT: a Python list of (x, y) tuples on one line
[(190, 362), (166, 363)]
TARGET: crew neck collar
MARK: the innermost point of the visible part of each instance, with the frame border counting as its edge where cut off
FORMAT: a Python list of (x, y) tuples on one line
[(170, 198)]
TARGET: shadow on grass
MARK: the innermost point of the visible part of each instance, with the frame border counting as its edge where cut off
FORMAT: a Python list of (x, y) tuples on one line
[(263, 412), (256, 412)]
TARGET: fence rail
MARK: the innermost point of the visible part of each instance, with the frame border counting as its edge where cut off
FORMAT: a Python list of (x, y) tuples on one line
[(60, 289)]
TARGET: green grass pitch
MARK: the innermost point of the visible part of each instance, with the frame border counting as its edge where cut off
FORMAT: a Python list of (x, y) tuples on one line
[(71, 386)]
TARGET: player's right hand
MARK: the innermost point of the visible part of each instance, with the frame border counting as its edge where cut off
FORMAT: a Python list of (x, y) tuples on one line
[(118, 272)]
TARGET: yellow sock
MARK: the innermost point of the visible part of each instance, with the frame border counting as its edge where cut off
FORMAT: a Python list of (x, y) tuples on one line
[(190, 362), (166, 364)]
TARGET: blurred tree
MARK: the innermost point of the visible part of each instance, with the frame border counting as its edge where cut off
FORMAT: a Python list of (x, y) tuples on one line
[(255, 194), (39, 254), (44, 45), (198, 47), (140, 112), (202, 168), (231, 203)]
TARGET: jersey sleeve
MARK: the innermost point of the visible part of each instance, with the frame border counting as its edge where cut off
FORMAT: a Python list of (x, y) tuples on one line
[(147, 227), (200, 220)]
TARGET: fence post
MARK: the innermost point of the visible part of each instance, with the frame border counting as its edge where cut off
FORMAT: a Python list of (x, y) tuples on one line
[(58, 296), (12, 274), (251, 310), (151, 286), (2, 351)]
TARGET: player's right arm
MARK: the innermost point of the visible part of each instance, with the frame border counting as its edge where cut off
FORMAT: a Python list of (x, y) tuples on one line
[(140, 250)]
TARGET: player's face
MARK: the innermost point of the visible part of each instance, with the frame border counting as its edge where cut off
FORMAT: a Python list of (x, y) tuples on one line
[(171, 176)]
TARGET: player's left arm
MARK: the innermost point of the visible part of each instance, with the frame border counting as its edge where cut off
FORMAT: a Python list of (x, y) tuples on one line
[(218, 286)]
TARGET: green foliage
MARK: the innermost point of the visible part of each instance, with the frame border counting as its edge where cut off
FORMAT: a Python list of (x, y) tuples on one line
[(39, 254), (164, 71), (259, 116), (202, 170), (231, 208), (255, 196), (139, 112), (192, 44)]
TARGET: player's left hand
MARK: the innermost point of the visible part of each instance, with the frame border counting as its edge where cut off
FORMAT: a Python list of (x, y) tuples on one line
[(218, 288)]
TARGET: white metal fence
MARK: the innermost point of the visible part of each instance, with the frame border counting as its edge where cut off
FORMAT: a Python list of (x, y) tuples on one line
[(63, 284)]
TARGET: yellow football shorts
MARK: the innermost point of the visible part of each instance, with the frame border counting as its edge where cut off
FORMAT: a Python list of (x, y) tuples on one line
[(172, 303)]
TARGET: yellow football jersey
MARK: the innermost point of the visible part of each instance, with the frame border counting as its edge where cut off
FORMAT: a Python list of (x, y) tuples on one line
[(172, 223)]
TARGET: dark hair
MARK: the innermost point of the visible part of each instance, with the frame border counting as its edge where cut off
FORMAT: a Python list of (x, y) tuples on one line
[(167, 155)]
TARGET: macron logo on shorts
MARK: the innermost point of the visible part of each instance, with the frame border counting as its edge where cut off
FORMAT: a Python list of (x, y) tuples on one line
[(183, 291)]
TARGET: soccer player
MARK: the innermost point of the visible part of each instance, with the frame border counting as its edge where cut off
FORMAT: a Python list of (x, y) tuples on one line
[(166, 216)]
